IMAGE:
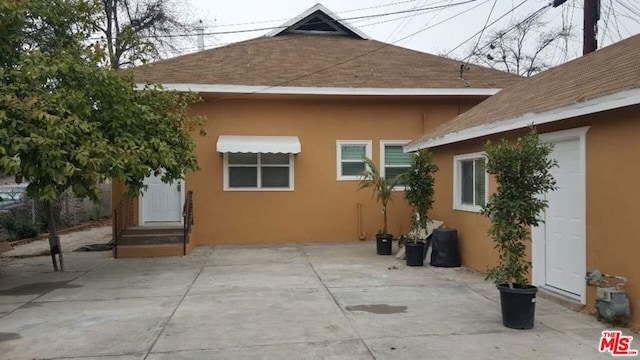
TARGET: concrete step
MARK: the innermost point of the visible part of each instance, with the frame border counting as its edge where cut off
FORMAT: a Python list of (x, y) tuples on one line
[(154, 230), (155, 250), (151, 239)]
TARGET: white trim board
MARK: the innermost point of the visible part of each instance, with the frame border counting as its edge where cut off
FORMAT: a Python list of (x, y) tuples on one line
[(603, 103), (301, 90)]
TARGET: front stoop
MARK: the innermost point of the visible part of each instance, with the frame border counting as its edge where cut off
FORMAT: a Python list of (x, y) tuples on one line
[(150, 241)]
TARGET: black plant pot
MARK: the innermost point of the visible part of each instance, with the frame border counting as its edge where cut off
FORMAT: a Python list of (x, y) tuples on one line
[(383, 244), (414, 253), (518, 305)]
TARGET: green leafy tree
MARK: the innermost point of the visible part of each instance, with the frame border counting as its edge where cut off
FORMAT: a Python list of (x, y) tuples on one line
[(522, 170), (382, 188), (419, 186), (67, 122)]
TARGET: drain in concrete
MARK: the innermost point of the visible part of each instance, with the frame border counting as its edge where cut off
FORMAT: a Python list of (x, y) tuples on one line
[(37, 288), (378, 309)]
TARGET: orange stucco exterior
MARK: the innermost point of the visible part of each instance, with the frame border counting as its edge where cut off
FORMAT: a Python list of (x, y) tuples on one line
[(320, 208), (612, 205)]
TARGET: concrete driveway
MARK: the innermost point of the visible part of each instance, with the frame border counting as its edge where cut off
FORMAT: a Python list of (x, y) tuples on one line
[(279, 302)]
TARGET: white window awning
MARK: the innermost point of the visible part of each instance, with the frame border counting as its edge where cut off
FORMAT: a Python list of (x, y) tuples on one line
[(258, 144)]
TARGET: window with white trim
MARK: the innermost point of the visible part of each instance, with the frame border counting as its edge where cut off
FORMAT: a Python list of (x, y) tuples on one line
[(471, 182), (350, 158), (251, 171), (393, 160)]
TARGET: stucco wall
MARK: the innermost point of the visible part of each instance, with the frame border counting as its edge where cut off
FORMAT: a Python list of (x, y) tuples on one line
[(613, 203), (320, 208)]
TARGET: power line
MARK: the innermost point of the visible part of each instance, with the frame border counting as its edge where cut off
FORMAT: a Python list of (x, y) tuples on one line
[(332, 20), (528, 18), (337, 12), (485, 27), (243, 43), (352, 58), (404, 22), (435, 16)]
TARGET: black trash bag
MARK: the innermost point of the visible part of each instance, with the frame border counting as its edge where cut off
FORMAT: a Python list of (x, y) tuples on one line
[(444, 248)]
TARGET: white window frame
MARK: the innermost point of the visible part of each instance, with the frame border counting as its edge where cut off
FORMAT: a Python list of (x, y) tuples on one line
[(339, 144), (457, 182), (258, 166), (383, 170)]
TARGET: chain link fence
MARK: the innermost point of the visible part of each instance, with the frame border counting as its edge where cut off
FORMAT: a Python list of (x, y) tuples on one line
[(28, 217)]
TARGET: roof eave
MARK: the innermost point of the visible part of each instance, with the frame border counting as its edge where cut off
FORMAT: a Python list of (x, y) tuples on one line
[(599, 104), (301, 90)]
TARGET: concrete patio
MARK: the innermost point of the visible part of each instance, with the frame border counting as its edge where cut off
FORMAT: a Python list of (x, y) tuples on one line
[(279, 302)]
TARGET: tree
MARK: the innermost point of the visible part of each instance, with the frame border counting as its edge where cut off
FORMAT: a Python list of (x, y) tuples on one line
[(419, 187), (382, 188), (67, 122), (522, 169), (139, 30), (524, 48)]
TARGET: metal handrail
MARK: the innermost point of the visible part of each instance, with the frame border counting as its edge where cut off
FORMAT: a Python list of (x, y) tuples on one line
[(122, 219), (187, 214)]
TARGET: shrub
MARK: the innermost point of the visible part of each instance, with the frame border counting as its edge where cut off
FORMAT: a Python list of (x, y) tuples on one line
[(18, 228)]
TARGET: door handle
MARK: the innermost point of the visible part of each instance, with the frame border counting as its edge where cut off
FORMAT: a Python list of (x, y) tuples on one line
[(179, 186)]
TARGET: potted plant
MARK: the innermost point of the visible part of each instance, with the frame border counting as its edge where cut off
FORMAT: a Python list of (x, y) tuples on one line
[(382, 190), (522, 172), (419, 181)]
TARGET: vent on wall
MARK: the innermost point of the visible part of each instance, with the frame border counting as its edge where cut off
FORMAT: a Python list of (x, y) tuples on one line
[(318, 23)]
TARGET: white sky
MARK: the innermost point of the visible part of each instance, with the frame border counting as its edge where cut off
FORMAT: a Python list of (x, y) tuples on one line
[(219, 16)]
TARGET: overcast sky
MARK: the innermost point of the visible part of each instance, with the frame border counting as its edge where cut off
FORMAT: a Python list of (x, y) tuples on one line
[(617, 22)]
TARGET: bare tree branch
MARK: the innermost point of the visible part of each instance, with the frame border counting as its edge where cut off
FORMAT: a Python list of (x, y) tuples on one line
[(526, 50), (137, 30)]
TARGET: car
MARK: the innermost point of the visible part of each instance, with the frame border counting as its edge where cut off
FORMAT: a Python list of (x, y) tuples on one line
[(11, 196)]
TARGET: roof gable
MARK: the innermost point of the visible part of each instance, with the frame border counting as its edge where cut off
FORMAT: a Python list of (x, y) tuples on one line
[(318, 20)]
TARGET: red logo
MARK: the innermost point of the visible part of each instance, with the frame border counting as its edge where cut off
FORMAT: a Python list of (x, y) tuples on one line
[(617, 344)]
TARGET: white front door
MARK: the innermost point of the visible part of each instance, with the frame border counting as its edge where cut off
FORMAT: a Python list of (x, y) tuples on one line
[(162, 203), (559, 249)]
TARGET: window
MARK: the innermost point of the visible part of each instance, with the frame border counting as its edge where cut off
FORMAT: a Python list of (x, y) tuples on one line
[(350, 158), (393, 160), (251, 171), (471, 183)]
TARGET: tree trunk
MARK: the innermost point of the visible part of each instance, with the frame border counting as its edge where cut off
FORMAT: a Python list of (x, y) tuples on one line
[(54, 240), (384, 213)]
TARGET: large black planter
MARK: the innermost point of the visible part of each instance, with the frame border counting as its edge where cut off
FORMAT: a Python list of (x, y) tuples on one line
[(414, 253), (444, 248), (518, 306), (383, 244)]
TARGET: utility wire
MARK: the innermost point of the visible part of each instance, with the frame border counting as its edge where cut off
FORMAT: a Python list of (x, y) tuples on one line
[(337, 12), (528, 18), (485, 27), (332, 20), (276, 39), (352, 58)]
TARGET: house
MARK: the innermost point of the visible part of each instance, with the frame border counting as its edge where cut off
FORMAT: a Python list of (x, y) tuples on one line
[(589, 109), (289, 117)]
